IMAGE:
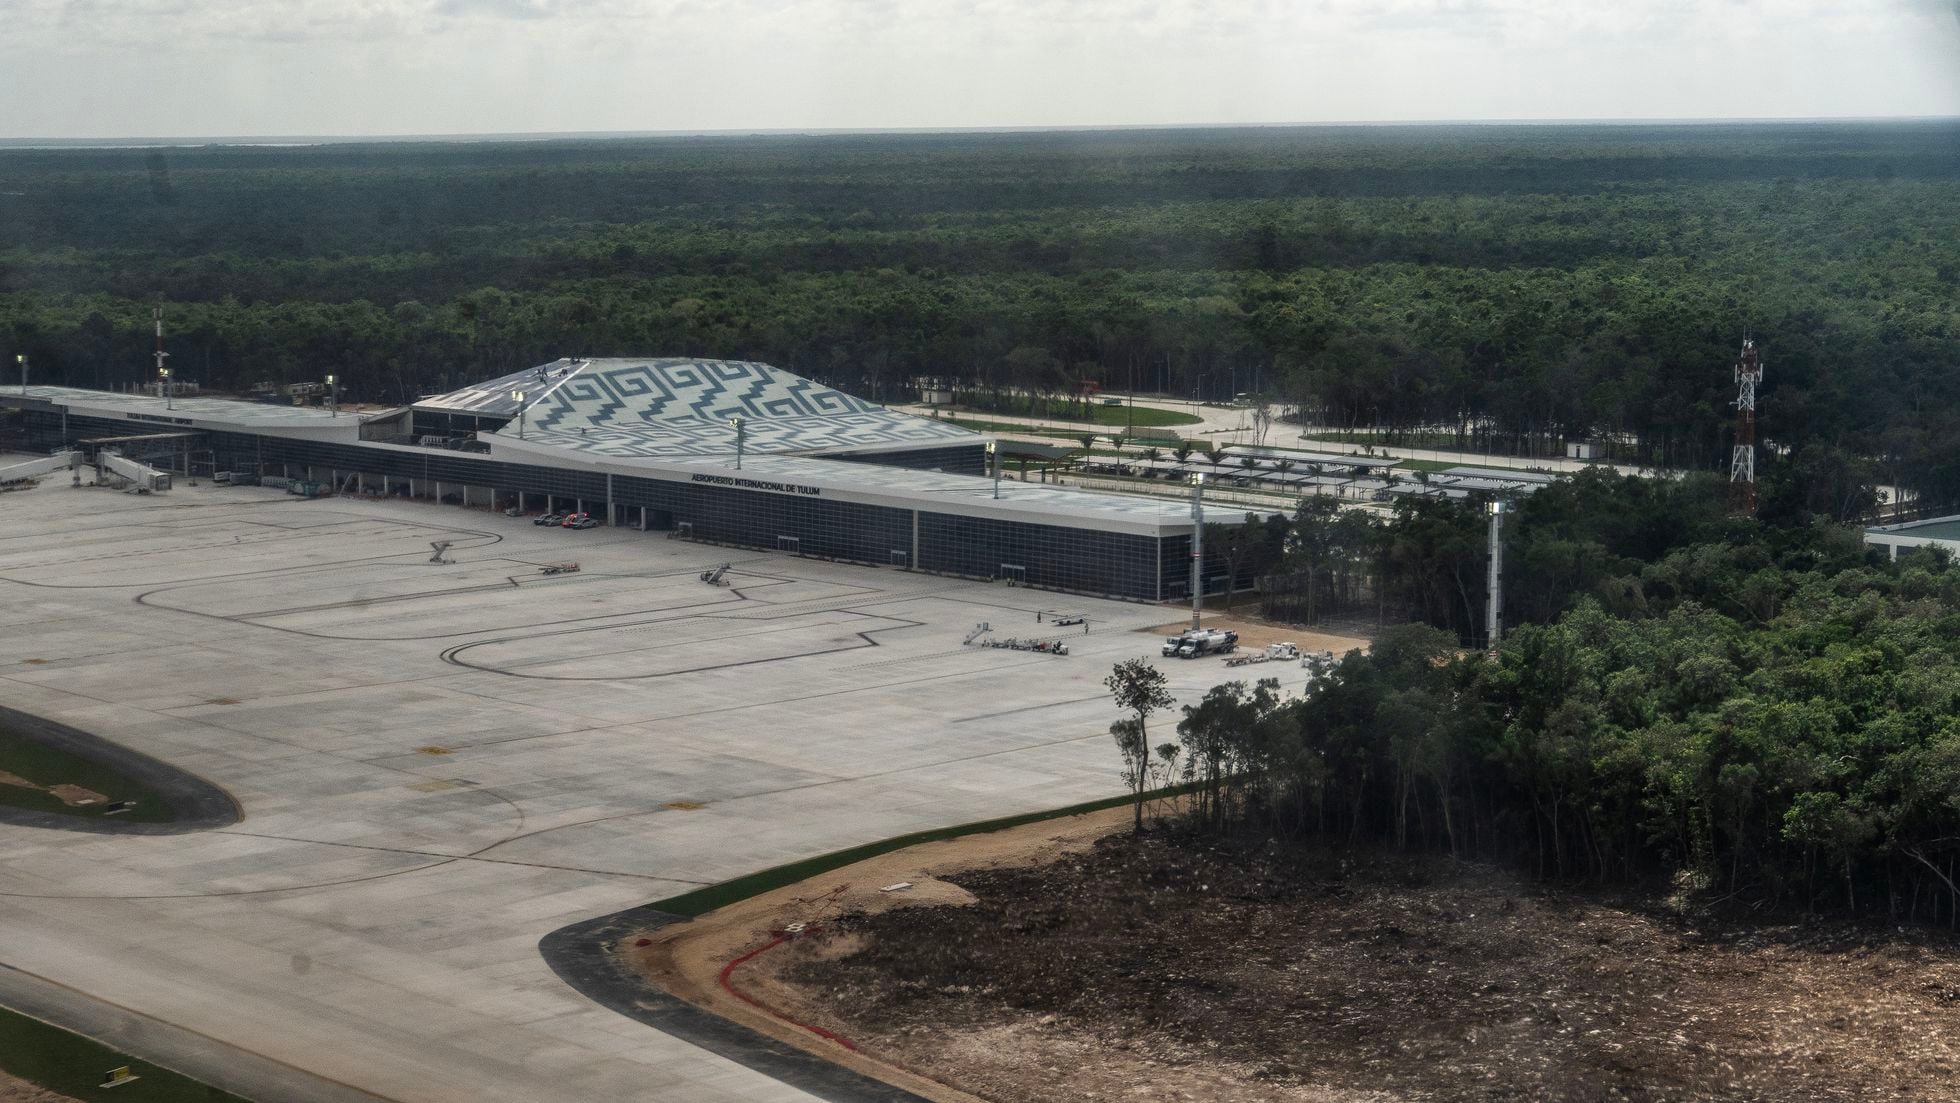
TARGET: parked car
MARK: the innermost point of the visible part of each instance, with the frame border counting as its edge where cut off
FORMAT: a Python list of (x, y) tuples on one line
[(580, 521), (548, 519)]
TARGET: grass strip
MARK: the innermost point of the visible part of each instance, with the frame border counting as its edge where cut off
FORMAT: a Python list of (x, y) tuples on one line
[(69, 1064), (704, 900), (35, 761)]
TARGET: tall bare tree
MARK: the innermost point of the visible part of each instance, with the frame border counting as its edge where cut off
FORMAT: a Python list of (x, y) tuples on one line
[(1139, 689)]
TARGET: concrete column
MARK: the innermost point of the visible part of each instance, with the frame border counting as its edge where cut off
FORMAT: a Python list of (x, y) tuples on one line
[(438, 492), (611, 518)]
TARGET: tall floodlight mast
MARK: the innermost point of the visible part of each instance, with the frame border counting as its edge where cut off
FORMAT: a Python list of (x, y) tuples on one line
[(163, 373), (1494, 589), (1198, 549), (1742, 468)]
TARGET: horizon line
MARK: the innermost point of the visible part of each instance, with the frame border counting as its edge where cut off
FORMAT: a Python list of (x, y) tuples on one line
[(126, 141)]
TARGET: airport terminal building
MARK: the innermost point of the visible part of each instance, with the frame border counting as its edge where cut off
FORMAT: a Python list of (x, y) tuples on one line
[(726, 452)]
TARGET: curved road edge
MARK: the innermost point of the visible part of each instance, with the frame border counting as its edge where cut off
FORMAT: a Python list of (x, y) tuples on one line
[(200, 805), (578, 955)]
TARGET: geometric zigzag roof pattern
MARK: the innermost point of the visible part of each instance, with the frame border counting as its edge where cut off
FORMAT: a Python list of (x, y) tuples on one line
[(678, 407)]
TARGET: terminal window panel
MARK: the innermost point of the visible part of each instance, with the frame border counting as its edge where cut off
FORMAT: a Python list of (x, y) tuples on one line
[(822, 527), (1052, 556)]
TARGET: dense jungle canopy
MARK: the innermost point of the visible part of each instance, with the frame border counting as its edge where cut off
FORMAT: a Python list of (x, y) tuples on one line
[(1513, 285)]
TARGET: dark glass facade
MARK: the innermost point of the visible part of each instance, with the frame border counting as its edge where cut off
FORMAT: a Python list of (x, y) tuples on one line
[(1080, 560)]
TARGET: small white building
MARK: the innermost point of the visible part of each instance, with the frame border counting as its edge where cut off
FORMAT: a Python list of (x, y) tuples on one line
[(1936, 532)]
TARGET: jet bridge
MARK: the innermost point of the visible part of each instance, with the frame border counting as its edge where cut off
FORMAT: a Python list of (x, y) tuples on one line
[(140, 477), (20, 472)]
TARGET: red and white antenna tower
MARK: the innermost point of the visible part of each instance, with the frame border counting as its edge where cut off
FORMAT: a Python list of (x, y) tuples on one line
[(1742, 468)]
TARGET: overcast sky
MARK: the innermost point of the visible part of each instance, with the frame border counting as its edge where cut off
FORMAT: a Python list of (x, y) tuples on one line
[(114, 68)]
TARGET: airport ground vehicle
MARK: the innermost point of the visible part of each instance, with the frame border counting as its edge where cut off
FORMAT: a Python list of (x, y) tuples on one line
[(1202, 641), (1209, 642), (1273, 653), (581, 521)]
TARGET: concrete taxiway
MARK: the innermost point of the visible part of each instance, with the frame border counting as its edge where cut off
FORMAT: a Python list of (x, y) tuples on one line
[(438, 764)]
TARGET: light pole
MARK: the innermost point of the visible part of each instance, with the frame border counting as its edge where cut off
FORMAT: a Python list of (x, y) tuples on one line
[(1197, 548), (21, 359), (993, 461), (741, 438), (333, 394), (1493, 626), (163, 373), (518, 397)]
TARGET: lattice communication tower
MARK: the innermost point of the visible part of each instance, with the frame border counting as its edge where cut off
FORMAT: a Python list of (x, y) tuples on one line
[(1742, 467)]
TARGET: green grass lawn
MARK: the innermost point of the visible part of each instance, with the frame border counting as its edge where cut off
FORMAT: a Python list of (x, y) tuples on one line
[(46, 766), (73, 1065)]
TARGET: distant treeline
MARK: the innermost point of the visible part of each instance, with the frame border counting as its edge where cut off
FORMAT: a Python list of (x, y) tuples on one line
[(1513, 286)]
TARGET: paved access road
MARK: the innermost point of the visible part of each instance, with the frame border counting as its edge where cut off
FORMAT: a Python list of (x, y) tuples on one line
[(440, 764)]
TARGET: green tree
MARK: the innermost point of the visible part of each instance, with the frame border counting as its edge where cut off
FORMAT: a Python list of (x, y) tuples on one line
[(1140, 690)]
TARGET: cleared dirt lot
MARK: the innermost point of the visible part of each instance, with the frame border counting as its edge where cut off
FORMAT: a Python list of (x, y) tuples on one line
[(19, 1091), (1163, 970)]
